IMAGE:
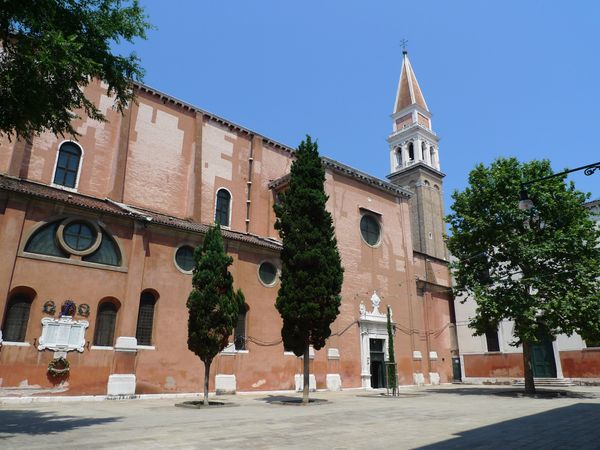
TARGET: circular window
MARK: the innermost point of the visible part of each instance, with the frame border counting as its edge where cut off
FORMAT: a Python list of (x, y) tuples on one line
[(79, 237), (370, 229), (184, 258), (267, 273)]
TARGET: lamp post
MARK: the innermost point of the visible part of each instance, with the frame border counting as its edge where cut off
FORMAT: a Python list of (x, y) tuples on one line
[(525, 203)]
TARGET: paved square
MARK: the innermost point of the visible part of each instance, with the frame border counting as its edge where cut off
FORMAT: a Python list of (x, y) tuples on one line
[(441, 417)]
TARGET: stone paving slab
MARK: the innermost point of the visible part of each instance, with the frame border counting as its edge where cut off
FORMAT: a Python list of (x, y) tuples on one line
[(441, 417)]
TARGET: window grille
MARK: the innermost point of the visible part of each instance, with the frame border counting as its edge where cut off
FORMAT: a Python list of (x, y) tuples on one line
[(240, 331), (145, 319), (105, 324), (16, 318)]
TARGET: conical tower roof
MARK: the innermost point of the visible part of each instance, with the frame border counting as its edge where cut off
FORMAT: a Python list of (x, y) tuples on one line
[(409, 92)]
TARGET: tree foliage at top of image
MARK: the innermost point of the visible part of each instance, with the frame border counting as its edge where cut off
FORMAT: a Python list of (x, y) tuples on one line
[(52, 49), (312, 274), (539, 268), (213, 304)]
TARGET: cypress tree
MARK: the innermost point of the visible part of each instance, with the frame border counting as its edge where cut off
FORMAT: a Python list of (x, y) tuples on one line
[(312, 274), (213, 304), (391, 365)]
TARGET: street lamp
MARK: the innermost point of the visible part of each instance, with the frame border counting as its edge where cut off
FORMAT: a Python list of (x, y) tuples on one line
[(525, 203)]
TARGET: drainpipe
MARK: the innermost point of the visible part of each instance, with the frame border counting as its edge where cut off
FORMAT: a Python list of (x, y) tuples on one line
[(249, 183)]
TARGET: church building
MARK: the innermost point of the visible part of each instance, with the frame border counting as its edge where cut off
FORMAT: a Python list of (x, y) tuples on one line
[(97, 239)]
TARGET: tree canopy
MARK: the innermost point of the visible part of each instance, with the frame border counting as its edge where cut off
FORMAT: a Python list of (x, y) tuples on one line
[(539, 268), (213, 304), (52, 49)]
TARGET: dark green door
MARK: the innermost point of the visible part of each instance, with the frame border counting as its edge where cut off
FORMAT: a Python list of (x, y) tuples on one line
[(377, 363), (542, 353)]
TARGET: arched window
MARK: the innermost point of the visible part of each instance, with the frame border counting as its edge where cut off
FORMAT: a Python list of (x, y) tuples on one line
[(423, 150), (145, 321), (239, 335), (399, 157), (411, 151), (16, 318), (106, 319), (222, 209), (432, 154), (67, 165)]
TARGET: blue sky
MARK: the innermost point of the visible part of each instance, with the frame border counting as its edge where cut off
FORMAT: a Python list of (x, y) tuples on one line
[(511, 78)]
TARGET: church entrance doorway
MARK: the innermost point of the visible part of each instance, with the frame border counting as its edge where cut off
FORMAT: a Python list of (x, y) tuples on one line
[(542, 355), (377, 358)]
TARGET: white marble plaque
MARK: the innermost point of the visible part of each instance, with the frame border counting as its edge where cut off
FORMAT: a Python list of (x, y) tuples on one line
[(62, 335)]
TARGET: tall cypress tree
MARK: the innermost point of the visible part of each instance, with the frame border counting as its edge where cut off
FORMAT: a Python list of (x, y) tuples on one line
[(391, 364), (312, 273), (213, 305)]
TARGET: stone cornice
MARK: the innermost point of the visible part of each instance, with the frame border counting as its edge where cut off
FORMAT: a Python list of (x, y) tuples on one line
[(355, 174)]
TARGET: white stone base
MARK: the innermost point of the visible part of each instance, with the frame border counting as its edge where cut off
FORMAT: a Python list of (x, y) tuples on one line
[(299, 382), (418, 379), (225, 384), (121, 384), (334, 382), (434, 378)]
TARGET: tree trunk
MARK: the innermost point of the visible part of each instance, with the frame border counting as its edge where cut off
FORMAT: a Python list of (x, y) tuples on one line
[(528, 368), (306, 377), (206, 377)]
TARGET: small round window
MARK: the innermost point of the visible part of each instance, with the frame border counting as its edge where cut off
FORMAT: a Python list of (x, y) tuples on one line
[(79, 236), (184, 258), (267, 273), (370, 229)]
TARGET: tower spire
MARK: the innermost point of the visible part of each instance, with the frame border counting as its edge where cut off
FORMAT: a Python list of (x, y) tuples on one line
[(415, 162), (409, 92)]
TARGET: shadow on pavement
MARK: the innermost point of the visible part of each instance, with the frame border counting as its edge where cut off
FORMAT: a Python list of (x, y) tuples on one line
[(510, 391), (14, 422), (286, 399), (574, 426)]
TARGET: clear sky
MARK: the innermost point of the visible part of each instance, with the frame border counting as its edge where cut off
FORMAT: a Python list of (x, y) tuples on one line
[(510, 78)]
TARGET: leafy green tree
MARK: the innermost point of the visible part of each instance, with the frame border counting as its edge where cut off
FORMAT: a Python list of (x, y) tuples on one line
[(51, 49), (213, 304), (312, 274), (538, 268), (392, 381)]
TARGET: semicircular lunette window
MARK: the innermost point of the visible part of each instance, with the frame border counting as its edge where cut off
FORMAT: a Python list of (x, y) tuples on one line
[(107, 253), (267, 273), (43, 242), (370, 229), (184, 258), (81, 238)]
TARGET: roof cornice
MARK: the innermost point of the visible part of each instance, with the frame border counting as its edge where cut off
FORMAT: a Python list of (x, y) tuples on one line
[(420, 165), (107, 206), (189, 107), (362, 177)]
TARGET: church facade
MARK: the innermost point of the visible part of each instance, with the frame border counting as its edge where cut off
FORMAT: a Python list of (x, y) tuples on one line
[(98, 235)]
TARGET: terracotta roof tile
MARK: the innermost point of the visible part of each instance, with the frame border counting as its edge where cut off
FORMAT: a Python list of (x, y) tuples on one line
[(38, 190)]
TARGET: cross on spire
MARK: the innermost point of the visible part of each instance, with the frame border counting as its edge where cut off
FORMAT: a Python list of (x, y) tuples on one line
[(403, 43)]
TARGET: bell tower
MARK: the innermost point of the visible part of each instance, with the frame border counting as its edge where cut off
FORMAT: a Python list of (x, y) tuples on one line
[(415, 163)]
